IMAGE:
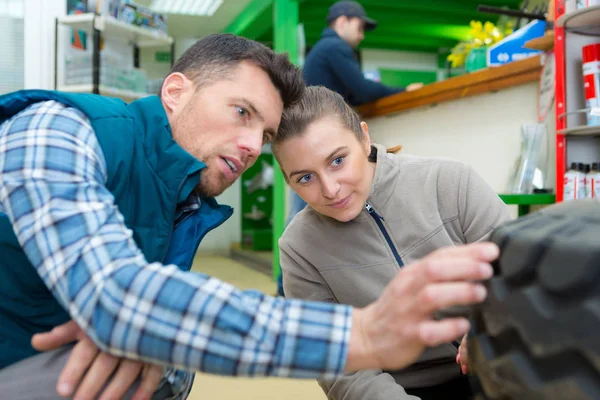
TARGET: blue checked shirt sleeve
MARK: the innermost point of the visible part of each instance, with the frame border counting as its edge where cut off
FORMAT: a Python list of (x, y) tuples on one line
[(52, 187)]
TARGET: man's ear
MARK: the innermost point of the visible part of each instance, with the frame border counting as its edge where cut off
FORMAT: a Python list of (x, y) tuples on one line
[(175, 92)]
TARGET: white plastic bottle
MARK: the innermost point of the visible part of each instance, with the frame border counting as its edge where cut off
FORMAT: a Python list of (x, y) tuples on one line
[(570, 183), (581, 181), (593, 181), (589, 181)]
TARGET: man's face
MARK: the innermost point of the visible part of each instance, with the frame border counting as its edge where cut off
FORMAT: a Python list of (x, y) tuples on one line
[(224, 124), (353, 31)]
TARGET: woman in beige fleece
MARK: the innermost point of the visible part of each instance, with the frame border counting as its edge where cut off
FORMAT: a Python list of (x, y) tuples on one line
[(369, 213)]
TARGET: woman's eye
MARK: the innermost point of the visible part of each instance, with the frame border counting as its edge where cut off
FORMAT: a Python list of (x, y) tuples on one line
[(241, 111), (337, 161), (266, 138), (305, 178)]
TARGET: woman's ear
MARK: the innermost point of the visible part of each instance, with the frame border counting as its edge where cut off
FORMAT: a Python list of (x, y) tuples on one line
[(366, 138)]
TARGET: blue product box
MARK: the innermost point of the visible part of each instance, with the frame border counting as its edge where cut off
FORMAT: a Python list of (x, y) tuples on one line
[(511, 47)]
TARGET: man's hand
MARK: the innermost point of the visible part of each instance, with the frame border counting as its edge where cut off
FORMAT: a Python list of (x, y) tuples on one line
[(462, 358), (392, 332), (89, 369), (414, 86)]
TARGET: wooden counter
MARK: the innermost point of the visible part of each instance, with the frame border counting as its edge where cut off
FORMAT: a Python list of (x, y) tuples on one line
[(475, 83)]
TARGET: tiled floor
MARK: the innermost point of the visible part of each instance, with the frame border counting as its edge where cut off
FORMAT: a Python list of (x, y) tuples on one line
[(222, 388)]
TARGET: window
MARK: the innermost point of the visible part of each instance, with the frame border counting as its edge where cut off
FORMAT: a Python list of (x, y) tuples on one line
[(11, 45)]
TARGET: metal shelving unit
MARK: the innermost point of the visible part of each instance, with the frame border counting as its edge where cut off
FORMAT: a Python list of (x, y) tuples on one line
[(575, 140), (581, 130), (109, 28)]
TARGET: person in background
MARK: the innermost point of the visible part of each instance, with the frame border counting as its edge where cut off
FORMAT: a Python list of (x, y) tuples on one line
[(378, 212), (332, 63), (102, 207)]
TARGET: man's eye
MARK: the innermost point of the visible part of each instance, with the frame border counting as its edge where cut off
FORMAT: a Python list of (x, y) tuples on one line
[(267, 138)]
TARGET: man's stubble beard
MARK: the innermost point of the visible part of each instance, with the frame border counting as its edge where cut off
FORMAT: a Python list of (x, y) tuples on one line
[(206, 188)]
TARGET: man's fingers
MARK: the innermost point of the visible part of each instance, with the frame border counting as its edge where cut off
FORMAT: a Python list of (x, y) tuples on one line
[(434, 333), (81, 358), (150, 381), (437, 296), (458, 269), (97, 376), (126, 374), (445, 264), (484, 251), (57, 337)]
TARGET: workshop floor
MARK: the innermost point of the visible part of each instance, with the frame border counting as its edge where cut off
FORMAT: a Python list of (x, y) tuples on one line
[(223, 388)]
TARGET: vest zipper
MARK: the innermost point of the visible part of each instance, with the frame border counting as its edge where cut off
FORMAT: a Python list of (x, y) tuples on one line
[(172, 228), (379, 221)]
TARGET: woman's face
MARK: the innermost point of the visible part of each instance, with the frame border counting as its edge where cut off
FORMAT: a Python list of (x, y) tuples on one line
[(329, 169)]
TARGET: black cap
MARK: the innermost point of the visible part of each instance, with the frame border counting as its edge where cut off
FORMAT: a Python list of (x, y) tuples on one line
[(350, 9)]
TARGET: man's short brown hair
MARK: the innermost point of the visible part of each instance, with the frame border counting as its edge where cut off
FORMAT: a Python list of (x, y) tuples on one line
[(214, 57)]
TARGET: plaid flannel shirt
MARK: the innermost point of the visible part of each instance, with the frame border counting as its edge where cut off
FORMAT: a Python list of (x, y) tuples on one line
[(52, 187)]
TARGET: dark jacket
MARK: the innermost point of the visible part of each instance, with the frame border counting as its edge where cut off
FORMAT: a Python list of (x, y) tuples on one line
[(332, 63)]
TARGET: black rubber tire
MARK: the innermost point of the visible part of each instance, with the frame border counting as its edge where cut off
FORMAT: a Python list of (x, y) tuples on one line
[(537, 336)]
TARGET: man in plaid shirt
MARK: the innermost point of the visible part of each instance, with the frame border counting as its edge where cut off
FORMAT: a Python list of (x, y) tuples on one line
[(102, 207)]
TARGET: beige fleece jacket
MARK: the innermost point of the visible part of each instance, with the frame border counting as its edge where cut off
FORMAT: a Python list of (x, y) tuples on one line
[(425, 204)]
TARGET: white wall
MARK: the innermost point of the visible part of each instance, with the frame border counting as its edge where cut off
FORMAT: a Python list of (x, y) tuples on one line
[(483, 131), (219, 240)]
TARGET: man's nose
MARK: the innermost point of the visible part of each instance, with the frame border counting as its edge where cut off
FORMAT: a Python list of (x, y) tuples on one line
[(251, 143)]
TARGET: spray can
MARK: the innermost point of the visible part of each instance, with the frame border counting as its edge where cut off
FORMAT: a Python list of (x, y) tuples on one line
[(591, 81)]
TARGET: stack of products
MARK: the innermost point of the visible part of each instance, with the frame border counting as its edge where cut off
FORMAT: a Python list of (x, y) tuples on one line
[(582, 181), (129, 12), (115, 72)]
